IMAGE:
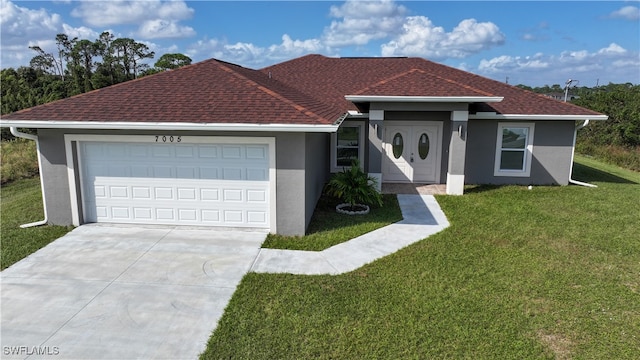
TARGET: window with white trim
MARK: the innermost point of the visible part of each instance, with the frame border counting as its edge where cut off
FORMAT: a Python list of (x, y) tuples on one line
[(514, 149), (347, 145)]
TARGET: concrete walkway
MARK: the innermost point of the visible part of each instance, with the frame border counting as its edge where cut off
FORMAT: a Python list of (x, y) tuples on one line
[(422, 218)]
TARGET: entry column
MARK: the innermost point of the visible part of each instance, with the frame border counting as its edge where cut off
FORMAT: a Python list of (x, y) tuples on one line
[(457, 152)]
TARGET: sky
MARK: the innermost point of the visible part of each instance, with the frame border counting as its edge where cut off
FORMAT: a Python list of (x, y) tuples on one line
[(534, 43)]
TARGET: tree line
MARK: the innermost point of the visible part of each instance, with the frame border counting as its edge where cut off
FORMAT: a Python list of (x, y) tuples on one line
[(78, 66), (620, 101)]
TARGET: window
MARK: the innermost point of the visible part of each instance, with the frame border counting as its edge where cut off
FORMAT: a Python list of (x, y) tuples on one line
[(347, 145), (514, 148), (397, 146)]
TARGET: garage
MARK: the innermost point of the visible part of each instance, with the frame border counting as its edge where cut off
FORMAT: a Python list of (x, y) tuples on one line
[(176, 180)]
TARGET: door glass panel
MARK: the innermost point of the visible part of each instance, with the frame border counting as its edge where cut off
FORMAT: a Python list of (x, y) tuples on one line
[(397, 145), (423, 146)]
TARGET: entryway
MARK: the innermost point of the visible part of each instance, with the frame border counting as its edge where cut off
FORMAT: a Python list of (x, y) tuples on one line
[(412, 152)]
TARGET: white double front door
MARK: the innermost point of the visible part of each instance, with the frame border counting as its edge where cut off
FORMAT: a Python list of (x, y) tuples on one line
[(412, 152)]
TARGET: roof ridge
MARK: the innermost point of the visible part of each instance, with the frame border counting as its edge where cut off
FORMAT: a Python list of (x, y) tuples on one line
[(463, 85), (422, 71), (271, 92), (386, 80)]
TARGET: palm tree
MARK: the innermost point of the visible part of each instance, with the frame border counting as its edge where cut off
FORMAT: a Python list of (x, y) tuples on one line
[(354, 187)]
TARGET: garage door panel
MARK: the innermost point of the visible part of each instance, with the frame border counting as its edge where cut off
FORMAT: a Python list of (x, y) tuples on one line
[(233, 152), (191, 184), (230, 173)]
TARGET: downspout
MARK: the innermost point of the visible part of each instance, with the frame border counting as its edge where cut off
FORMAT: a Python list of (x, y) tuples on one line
[(573, 150), (16, 133)]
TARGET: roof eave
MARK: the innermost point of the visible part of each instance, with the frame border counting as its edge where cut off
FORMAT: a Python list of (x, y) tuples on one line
[(157, 126), (424, 99), (494, 116)]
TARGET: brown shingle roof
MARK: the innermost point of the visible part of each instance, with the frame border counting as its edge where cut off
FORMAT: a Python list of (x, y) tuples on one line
[(207, 92), (333, 78), (308, 90), (417, 82)]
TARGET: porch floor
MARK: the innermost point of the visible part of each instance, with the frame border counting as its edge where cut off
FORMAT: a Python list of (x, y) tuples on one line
[(412, 188)]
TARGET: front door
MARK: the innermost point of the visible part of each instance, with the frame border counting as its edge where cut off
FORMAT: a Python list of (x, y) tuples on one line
[(412, 152)]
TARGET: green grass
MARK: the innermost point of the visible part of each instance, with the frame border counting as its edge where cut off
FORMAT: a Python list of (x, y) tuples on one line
[(627, 157), (328, 228), (20, 203), (552, 272), (18, 160)]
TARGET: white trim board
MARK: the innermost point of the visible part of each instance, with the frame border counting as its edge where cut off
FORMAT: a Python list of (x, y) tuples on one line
[(163, 126)]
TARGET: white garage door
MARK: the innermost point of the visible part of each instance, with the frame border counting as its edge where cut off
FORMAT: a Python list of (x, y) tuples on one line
[(204, 184)]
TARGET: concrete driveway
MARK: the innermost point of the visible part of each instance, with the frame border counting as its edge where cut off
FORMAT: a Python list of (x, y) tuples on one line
[(123, 292)]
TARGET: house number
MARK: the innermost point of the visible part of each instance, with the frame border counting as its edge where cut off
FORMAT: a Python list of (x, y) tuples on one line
[(170, 139)]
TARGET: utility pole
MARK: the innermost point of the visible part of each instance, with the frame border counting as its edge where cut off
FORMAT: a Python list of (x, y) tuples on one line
[(566, 87)]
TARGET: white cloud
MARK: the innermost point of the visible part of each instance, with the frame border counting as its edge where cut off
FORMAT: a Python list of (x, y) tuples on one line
[(508, 63), (248, 54), (22, 27), (164, 29), (367, 9), (292, 48), (609, 64), (612, 49), (362, 21), (157, 19), (420, 37), (81, 32), (358, 23), (116, 12), (19, 23), (631, 13)]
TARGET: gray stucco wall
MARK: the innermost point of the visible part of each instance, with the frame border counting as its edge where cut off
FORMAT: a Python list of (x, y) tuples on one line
[(317, 171), (294, 205), (54, 176), (551, 160)]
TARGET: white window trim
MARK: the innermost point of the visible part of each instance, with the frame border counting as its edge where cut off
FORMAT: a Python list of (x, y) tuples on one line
[(334, 145), (528, 150)]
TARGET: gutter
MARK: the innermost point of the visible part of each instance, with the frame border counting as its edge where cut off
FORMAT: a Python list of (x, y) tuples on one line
[(428, 99), (573, 150), (157, 126), (16, 133), (532, 117)]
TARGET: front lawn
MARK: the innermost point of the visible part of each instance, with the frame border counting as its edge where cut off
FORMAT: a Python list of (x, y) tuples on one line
[(20, 203), (328, 228), (552, 272)]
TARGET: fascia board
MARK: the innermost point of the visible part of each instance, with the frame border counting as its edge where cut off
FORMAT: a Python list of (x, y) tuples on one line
[(449, 99), (110, 125), (493, 116)]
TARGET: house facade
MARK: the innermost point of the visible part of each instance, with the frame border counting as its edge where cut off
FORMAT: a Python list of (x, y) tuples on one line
[(216, 144)]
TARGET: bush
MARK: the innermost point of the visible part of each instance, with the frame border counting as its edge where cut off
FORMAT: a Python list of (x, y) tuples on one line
[(353, 186), (18, 160)]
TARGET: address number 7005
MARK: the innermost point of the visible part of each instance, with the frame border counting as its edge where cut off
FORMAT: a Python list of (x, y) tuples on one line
[(169, 139)]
